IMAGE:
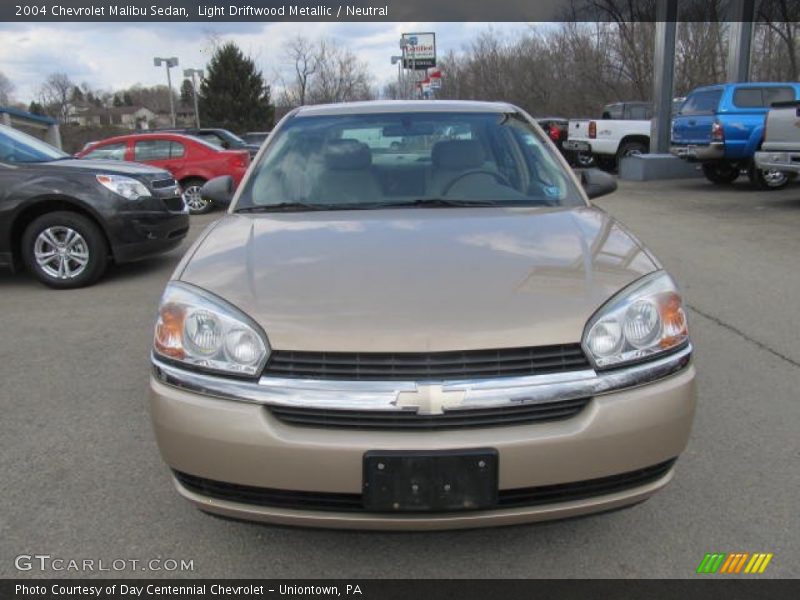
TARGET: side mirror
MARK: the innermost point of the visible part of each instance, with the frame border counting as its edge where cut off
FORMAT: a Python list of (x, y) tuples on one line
[(219, 190), (598, 183), (226, 144)]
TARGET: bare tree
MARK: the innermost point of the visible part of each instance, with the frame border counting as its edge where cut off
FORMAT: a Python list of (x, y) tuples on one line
[(325, 71), (780, 18), (303, 55), (56, 95), (340, 76), (6, 89)]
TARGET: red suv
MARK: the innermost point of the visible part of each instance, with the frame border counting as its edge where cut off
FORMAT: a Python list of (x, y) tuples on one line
[(190, 160)]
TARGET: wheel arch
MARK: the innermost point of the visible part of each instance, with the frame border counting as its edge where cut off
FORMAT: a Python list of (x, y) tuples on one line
[(191, 176), (43, 205), (635, 137)]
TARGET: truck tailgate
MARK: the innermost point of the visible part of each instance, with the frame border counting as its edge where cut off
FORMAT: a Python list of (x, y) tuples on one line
[(695, 129), (783, 129), (579, 129)]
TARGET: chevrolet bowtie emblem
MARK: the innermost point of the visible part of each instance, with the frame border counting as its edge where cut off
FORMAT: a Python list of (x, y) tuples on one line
[(430, 399)]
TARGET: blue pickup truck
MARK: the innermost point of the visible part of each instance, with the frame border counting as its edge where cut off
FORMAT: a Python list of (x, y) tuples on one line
[(722, 127)]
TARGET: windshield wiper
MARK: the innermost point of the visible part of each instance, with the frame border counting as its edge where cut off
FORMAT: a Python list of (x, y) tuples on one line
[(434, 203), (283, 207)]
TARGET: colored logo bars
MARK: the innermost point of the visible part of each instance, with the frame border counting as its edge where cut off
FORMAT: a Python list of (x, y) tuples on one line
[(739, 562)]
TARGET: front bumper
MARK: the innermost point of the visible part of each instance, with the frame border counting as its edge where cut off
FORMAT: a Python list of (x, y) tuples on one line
[(148, 233), (788, 162), (243, 444), (578, 146), (699, 153)]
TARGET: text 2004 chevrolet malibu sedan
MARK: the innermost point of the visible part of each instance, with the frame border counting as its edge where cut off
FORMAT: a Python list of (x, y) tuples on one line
[(412, 318)]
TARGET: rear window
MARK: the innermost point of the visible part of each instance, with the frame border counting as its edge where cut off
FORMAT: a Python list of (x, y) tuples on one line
[(638, 112), (761, 97), (701, 103), (778, 94), (612, 111)]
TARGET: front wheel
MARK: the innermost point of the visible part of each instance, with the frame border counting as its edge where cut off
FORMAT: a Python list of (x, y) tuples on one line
[(721, 173), (194, 200), (64, 250), (768, 179)]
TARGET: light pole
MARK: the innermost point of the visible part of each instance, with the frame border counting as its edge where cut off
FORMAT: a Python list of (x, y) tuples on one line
[(191, 73), (398, 60), (168, 64)]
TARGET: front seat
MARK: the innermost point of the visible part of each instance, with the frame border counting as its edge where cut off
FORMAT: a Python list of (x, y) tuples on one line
[(347, 176), (451, 158)]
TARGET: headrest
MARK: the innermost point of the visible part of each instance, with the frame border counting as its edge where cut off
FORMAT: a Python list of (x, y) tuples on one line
[(347, 155), (457, 154)]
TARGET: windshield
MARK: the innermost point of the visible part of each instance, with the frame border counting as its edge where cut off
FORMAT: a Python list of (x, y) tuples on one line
[(18, 147), (414, 159), (231, 138)]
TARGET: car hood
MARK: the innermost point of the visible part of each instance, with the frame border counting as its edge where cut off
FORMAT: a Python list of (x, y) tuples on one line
[(417, 280), (115, 167)]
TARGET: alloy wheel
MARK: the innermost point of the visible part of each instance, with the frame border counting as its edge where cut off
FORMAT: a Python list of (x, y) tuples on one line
[(194, 199), (774, 178), (61, 252)]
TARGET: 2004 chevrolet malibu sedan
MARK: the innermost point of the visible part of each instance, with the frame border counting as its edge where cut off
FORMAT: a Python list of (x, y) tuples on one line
[(412, 317)]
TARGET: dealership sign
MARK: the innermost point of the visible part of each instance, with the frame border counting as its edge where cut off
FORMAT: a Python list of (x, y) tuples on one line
[(419, 50)]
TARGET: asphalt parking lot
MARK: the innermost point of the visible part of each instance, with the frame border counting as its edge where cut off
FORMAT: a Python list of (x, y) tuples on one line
[(82, 478)]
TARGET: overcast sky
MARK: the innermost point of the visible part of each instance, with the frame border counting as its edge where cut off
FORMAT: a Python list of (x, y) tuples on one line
[(117, 55)]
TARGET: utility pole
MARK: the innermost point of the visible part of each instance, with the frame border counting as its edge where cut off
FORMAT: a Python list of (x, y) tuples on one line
[(398, 60), (191, 73)]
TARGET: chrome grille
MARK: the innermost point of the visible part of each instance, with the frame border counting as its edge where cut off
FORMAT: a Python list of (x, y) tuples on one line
[(411, 420), (421, 366)]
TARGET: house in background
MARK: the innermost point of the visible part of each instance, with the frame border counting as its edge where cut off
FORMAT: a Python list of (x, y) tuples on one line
[(128, 117), (38, 125)]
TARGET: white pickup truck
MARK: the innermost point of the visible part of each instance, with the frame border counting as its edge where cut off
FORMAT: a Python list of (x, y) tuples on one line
[(780, 150), (623, 130)]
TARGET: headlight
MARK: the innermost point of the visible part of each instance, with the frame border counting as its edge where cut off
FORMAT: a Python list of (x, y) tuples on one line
[(127, 187), (644, 319), (197, 328)]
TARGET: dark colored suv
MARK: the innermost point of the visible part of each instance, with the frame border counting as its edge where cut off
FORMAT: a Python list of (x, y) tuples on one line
[(66, 219), (221, 138)]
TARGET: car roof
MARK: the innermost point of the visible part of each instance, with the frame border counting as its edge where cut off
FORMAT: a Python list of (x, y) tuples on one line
[(402, 106), (745, 84), (148, 136)]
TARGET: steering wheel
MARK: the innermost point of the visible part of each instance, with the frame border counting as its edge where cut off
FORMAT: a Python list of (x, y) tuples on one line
[(499, 177)]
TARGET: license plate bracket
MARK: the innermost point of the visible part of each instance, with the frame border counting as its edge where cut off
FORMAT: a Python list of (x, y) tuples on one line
[(424, 481)]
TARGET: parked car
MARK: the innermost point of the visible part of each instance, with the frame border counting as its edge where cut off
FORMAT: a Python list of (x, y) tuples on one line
[(255, 137), (780, 151), (190, 160), (66, 219), (557, 129), (443, 335), (622, 130), (722, 126), (221, 138)]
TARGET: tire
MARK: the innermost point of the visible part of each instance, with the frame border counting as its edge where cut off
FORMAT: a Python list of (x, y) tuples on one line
[(584, 160), (721, 173), (191, 196), (631, 149), (768, 179), (65, 250)]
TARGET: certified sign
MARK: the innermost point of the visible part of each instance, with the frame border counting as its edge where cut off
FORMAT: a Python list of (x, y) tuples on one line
[(419, 50)]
